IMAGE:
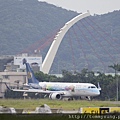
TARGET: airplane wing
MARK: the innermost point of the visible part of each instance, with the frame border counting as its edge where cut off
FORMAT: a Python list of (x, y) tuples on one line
[(35, 90)]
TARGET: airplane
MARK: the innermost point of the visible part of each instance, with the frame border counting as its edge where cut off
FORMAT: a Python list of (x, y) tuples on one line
[(57, 90)]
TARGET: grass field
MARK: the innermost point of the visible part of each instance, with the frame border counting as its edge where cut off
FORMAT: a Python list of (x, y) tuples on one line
[(54, 104)]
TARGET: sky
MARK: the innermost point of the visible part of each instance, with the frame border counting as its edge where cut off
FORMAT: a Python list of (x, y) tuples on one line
[(81, 6)]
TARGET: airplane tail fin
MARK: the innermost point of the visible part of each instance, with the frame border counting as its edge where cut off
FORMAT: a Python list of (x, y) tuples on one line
[(30, 73)]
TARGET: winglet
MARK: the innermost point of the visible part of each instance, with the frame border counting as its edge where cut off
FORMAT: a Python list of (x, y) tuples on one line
[(99, 88), (8, 87)]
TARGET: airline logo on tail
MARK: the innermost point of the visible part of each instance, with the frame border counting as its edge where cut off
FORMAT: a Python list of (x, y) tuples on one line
[(29, 75)]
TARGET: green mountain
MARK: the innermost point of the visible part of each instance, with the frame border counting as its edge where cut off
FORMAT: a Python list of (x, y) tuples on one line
[(92, 43)]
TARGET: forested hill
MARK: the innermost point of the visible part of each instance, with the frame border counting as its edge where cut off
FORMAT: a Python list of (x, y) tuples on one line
[(24, 22)]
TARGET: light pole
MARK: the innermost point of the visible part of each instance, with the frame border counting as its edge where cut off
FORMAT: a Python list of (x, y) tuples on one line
[(116, 67), (116, 78)]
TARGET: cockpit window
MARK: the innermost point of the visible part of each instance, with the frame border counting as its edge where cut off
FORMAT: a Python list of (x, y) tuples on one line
[(91, 87)]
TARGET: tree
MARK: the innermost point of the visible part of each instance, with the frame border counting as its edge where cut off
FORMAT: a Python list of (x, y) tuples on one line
[(116, 67), (44, 77)]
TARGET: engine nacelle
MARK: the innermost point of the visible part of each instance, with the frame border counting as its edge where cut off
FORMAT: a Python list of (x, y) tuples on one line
[(54, 96)]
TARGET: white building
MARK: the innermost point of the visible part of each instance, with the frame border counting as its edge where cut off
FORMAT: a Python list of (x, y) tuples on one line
[(12, 79), (35, 60)]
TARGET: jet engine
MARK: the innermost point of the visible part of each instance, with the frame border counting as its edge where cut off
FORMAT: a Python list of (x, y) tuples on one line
[(54, 96)]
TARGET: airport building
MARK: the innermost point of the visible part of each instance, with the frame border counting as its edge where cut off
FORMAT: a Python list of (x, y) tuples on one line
[(35, 60), (13, 71), (13, 79)]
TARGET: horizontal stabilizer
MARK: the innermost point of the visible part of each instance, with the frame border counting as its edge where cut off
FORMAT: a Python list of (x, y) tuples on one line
[(8, 87)]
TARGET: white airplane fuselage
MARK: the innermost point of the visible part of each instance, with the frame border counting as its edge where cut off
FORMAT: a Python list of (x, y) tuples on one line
[(71, 89)]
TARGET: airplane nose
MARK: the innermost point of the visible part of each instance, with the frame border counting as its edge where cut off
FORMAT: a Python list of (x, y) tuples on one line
[(98, 92)]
